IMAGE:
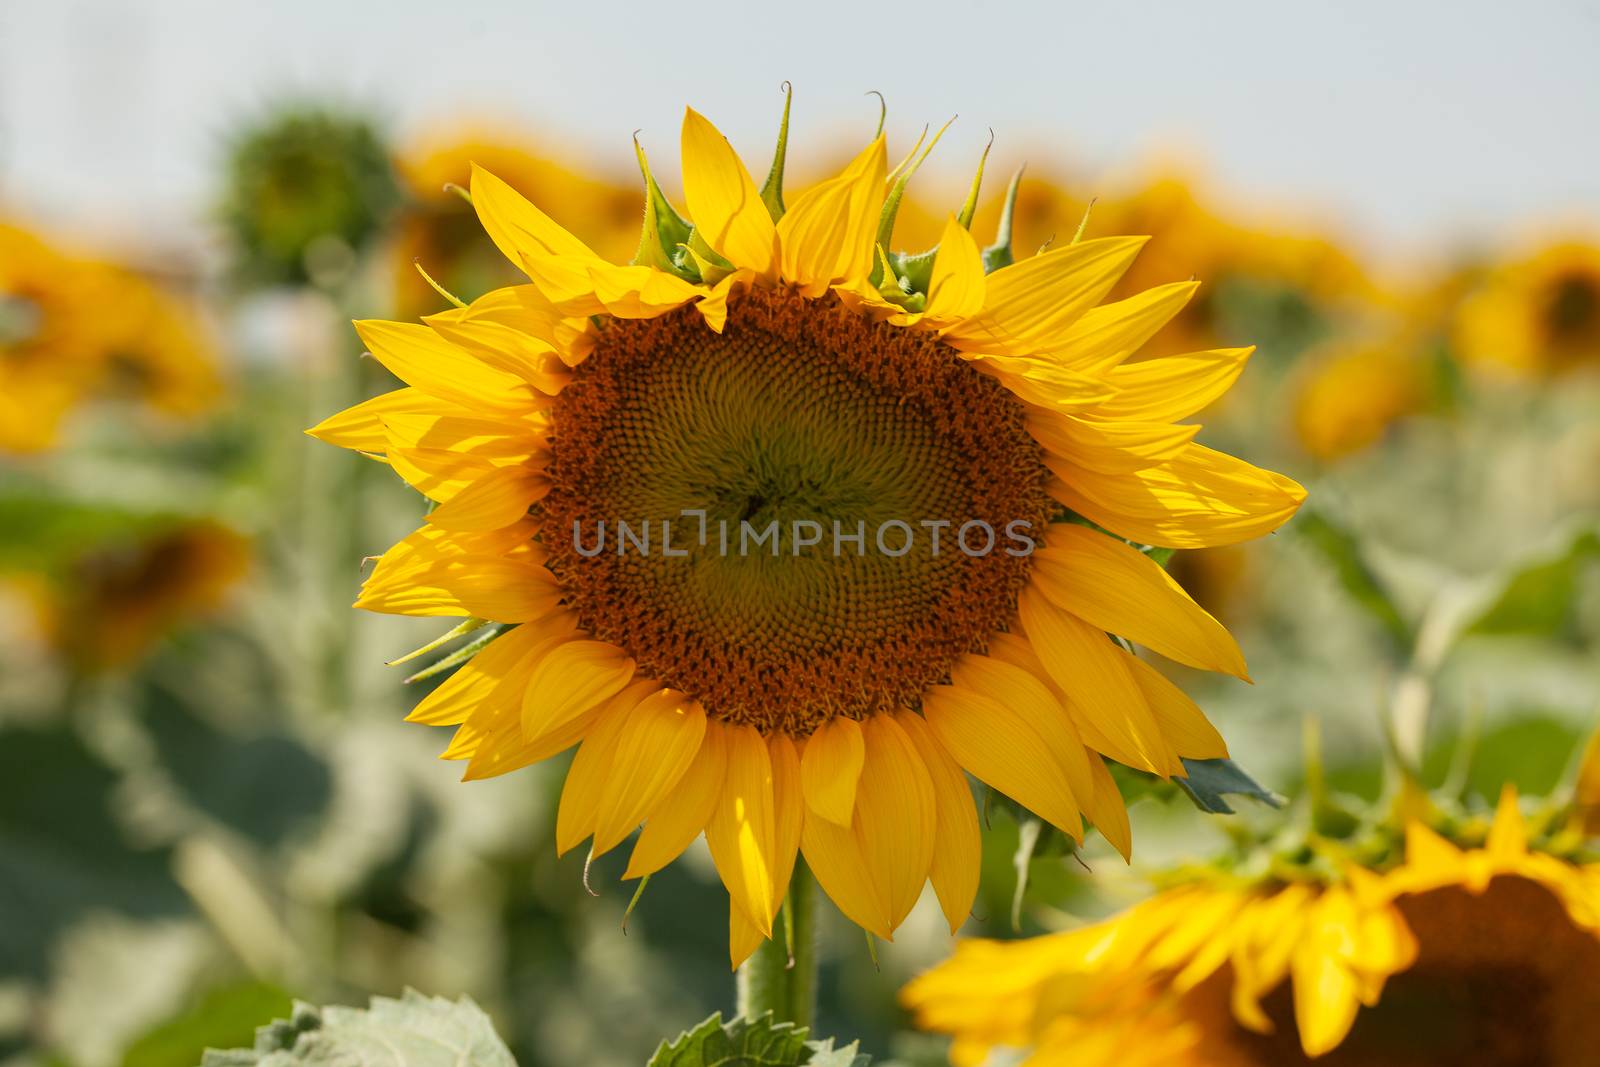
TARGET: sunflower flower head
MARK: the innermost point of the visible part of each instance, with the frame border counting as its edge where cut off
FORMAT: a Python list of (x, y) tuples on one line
[(1536, 316), (773, 524), (1435, 939)]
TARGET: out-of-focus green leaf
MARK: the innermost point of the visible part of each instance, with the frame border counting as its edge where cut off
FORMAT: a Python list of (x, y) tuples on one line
[(413, 1031), (1538, 597), (224, 1017), (1210, 779), (752, 1043), (263, 786), (1341, 548), (62, 855)]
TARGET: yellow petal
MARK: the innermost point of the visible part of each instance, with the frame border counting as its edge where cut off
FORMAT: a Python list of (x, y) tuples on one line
[(1508, 835), (503, 665), (588, 779), (639, 292), (723, 199), (834, 855), (1123, 591), (1029, 304), (1325, 999), (507, 349), (1031, 698), (826, 235), (1106, 809), (1183, 724), (1090, 670), (421, 358), (741, 830), (1202, 498), (997, 746), (500, 498), (956, 289), (788, 811), (656, 746), (831, 767), (361, 427), (1109, 334), (1172, 388), (743, 937), (571, 679), (895, 816), (1108, 447), (957, 849), (680, 818), (500, 590), (517, 227)]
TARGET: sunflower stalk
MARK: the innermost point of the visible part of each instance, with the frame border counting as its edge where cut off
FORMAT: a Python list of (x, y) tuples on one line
[(781, 975)]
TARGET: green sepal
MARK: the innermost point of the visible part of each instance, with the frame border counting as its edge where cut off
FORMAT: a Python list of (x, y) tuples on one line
[(463, 628), (970, 206), (703, 258), (915, 269), (772, 188), (460, 655), (1209, 779), (892, 287), (891, 203), (999, 254), (664, 230)]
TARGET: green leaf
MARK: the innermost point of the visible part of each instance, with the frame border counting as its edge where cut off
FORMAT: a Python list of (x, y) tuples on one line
[(1538, 597), (1209, 779), (759, 1042), (414, 1031), (1340, 547), (224, 1016)]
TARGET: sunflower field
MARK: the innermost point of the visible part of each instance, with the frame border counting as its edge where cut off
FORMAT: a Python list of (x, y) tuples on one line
[(476, 602)]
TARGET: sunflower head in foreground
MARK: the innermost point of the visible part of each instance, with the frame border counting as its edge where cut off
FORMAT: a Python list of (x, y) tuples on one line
[(787, 531), (1414, 950)]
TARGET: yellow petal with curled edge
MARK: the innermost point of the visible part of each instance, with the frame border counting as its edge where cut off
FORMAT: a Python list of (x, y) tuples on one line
[(655, 748), (497, 499), (1029, 304), (1106, 335), (956, 287), (507, 348), (1123, 591), (895, 816), (1031, 698), (1087, 668), (835, 857), (638, 292), (957, 847), (421, 358), (683, 815), (1173, 387), (1200, 499), (517, 227), (826, 235), (830, 768), (741, 831), (589, 777), (723, 200), (571, 679), (998, 747)]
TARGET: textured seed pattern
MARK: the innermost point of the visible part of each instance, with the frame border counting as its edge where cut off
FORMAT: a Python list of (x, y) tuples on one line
[(799, 410)]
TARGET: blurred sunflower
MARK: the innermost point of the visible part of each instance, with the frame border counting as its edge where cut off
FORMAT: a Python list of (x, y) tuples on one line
[(438, 230), (104, 607), (769, 365), (1432, 954), (1350, 396), (1538, 316), (73, 330)]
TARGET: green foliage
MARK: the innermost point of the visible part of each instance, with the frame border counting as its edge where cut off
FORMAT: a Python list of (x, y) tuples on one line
[(224, 1017), (413, 1031), (1538, 597), (1210, 779), (1344, 552), (62, 855), (759, 1042)]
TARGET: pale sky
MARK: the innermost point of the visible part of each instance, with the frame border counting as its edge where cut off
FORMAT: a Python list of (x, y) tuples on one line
[(1408, 123)]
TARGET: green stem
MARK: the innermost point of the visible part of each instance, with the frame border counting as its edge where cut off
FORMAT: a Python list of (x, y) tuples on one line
[(781, 975)]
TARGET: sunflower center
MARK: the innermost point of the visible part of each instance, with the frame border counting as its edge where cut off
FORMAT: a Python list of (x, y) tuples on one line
[(1573, 312), (807, 515)]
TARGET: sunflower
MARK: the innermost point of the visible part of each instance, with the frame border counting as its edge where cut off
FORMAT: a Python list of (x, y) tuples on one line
[(74, 329), (1487, 954), (437, 230), (758, 507), (1539, 315), (1352, 394), (105, 606)]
